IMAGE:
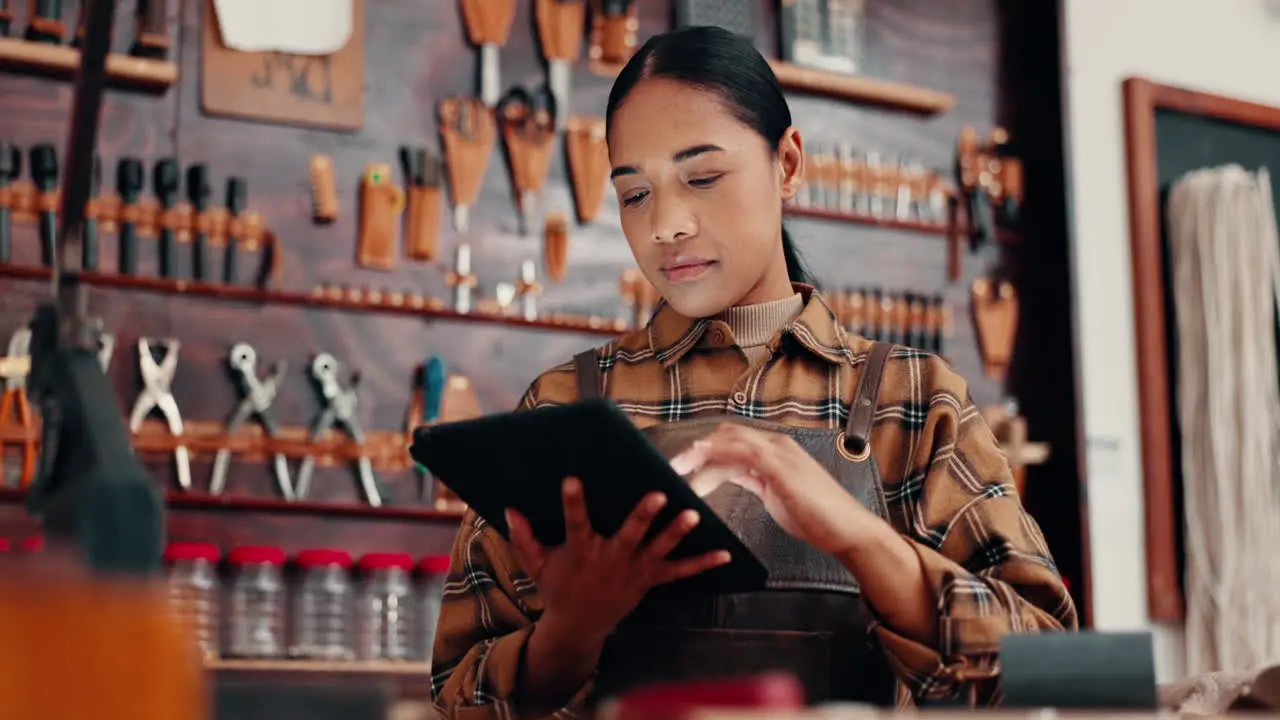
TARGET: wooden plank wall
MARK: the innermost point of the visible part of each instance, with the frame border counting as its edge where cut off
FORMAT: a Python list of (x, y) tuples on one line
[(995, 57)]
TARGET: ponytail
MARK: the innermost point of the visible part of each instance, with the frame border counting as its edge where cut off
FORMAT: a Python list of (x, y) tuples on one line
[(796, 270)]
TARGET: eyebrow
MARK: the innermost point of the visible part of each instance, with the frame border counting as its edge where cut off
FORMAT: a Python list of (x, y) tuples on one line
[(686, 154)]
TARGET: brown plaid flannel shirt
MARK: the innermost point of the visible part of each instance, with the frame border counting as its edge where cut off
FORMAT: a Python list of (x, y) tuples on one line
[(947, 483)]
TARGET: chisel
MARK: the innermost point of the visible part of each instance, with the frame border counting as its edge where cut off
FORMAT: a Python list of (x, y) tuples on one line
[(129, 184), (165, 183), (10, 170), (236, 193), (44, 173), (89, 251), (198, 193)]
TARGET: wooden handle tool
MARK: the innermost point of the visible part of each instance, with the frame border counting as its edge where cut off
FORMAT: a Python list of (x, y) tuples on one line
[(995, 317), (324, 189), (488, 26), (560, 28), (467, 133), (422, 170), (614, 24), (555, 246), (151, 33), (381, 203), (585, 144), (44, 23), (528, 128)]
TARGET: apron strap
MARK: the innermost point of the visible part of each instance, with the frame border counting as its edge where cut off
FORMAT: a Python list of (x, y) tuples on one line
[(862, 413), (590, 379)]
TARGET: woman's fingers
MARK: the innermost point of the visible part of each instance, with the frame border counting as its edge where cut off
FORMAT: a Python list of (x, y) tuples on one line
[(671, 535), (636, 526), (688, 567), (527, 547), (577, 525)]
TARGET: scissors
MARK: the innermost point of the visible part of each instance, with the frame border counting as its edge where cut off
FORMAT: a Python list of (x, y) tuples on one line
[(157, 380), (259, 394), (15, 408), (339, 412)]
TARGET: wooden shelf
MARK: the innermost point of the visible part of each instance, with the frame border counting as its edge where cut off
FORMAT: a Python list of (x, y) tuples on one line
[(234, 503), (320, 666), (837, 216), (319, 298), (856, 88), (62, 61)]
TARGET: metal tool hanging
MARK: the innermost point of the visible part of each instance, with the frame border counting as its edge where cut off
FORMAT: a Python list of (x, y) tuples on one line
[(259, 395), (339, 413)]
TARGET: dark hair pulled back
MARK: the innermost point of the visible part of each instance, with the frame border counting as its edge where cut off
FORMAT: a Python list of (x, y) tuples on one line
[(717, 61)]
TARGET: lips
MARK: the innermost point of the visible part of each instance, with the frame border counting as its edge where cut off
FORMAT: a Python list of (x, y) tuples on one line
[(684, 270)]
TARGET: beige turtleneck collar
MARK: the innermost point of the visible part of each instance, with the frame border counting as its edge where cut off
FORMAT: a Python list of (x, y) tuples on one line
[(753, 326)]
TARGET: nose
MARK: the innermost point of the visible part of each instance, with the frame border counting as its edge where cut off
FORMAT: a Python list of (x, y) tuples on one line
[(673, 220)]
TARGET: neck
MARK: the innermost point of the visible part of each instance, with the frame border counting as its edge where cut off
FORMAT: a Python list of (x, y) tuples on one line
[(775, 285)]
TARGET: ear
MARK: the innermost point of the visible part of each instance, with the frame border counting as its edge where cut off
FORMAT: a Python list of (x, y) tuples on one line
[(791, 162)]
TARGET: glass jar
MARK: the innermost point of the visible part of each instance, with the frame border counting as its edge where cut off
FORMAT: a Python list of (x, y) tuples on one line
[(386, 607), (256, 619), (193, 590), (432, 571), (323, 605)]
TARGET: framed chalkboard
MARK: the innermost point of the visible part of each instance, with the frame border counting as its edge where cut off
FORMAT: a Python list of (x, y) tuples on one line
[(1169, 132)]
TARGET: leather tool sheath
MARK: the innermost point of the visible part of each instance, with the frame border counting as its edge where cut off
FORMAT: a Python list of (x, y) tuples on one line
[(151, 33), (555, 246), (529, 133), (324, 189), (612, 40), (588, 164), (995, 317), (380, 205), (467, 134), (488, 26), (422, 171), (560, 29)]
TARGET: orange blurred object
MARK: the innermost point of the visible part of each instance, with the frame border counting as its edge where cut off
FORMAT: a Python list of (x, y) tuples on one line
[(74, 647)]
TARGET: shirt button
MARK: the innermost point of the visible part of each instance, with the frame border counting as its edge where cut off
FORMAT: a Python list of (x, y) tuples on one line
[(717, 336), (740, 398)]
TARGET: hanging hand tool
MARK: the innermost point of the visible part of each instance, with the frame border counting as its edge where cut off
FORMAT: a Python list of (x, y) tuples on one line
[(151, 29), (17, 420), (6, 17), (165, 182), (381, 203), (157, 394), (44, 173), (612, 39), (198, 193), (106, 347), (45, 23), (422, 170), (10, 170), (237, 193), (588, 164), (129, 184), (432, 383), (324, 189), (468, 134), (259, 394), (339, 413), (995, 316), (461, 279), (560, 27), (528, 289), (489, 25), (529, 129), (555, 246), (89, 253)]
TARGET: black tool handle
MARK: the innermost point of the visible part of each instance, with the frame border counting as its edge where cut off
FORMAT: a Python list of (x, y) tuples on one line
[(89, 251), (48, 238), (166, 181), (128, 249), (168, 253), (6, 240), (198, 191), (236, 197)]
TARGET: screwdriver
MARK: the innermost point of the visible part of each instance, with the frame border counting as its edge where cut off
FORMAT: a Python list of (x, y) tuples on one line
[(165, 182), (198, 192), (44, 172), (89, 251), (236, 193), (129, 187), (10, 170)]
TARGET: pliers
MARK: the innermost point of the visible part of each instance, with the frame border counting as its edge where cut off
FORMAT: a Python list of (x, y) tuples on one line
[(339, 411), (259, 394), (157, 394), (15, 410)]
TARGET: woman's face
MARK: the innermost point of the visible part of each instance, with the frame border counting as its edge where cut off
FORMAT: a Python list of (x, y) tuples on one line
[(700, 196)]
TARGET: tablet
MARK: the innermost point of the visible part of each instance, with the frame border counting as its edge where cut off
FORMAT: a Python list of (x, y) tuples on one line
[(520, 460)]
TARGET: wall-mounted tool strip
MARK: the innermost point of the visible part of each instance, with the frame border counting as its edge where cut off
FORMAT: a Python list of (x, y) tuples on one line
[(61, 61), (917, 320)]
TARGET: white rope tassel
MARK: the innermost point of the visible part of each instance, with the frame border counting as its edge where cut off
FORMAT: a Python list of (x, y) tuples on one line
[(1225, 257)]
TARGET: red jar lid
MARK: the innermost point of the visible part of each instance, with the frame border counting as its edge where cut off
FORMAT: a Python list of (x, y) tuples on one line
[(321, 557), (4, 544), (434, 564), (256, 555), (387, 561), (35, 543), (192, 551)]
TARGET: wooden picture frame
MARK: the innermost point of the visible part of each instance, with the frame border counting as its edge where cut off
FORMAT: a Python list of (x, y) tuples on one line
[(1142, 100)]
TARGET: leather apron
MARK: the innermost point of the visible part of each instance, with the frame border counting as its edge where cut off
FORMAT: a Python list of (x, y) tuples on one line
[(809, 621)]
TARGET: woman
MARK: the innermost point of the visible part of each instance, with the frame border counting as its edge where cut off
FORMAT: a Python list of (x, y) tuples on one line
[(861, 475)]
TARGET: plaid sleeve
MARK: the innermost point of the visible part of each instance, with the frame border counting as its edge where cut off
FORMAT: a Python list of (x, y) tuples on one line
[(487, 614), (985, 559)]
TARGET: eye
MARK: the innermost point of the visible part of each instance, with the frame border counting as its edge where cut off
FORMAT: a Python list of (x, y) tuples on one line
[(705, 181), (634, 198)]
